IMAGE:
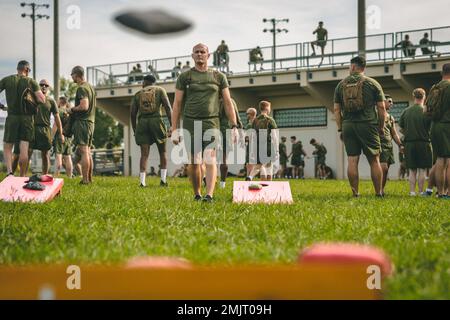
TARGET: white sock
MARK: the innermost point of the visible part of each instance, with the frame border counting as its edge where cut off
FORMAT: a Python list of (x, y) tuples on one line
[(429, 190), (250, 177), (222, 184), (163, 175), (142, 178), (412, 194)]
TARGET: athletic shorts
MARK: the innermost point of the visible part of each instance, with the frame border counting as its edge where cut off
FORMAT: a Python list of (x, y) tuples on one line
[(197, 144), (150, 130), (440, 139), (19, 128), (419, 155), (83, 132), (387, 156), (42, 138), (63, 148), (361, 136)]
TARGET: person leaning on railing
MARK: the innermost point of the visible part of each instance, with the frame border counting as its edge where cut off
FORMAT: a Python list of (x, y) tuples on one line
[(425, 45), (256, 56), (407, 47)]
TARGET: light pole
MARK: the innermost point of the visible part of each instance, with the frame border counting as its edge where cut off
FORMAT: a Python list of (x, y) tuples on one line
[(275, 31), (34, 17)]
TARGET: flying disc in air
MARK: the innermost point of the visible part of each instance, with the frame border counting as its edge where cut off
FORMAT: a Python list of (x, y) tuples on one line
[(152, 22)]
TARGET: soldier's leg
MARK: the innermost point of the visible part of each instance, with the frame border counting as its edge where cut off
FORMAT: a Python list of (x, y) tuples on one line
[(24, 157), (58, 164), (45, 161), (85, 162), (7, 149), (385, 169), (440, 171), (421, 179), (211, 170), (376, 173), (68, 165), (163, 160), (353, 174), (412, 181), (145, 150), (195, 175), (91, 165), (313, 48)]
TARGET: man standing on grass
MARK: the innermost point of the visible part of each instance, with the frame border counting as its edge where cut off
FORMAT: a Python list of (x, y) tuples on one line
[(43, 132), (19, 125), (360, 116), (62, 147), (297, 160), (320, 153), (438, 105), (415, 126), (84, 122), (251, 116), (197, 96), (283, 158), (147, 106), (226, 144), (266, 132), (387, 149)]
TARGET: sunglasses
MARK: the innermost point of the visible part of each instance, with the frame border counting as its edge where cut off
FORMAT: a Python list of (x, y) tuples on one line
[(44, 85)]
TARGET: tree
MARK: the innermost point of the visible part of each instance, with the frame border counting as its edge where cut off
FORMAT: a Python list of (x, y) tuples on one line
[(68, 88), (108, 132)]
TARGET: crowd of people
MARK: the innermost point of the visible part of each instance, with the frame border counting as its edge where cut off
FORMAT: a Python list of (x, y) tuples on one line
[(28, 124)]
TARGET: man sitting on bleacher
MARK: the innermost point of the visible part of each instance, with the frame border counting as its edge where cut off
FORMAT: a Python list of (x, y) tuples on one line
[(256, 56)]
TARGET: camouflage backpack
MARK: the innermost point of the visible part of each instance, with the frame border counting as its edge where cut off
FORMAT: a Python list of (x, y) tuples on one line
[(435, 99), (353, 95), (147, 100)]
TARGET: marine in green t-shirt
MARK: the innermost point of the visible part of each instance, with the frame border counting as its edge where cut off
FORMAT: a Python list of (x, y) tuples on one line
[(322, 37), (147, 107), (197, 97), (359, 109), (19, 126), (83, 122), (297, 160), (63, 147)]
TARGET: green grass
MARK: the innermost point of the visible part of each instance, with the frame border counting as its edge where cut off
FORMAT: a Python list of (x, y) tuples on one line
[(113, 220)]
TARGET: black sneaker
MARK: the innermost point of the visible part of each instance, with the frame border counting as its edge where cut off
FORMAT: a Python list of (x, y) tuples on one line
[(163, 184), (10, 174), (248, 179), (444, 196), (197, 197), (207, 198), (380, 195), (142, 186)]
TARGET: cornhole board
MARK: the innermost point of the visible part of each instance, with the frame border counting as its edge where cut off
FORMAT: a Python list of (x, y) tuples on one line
[(272, 192), (11, 190), (286, 282)]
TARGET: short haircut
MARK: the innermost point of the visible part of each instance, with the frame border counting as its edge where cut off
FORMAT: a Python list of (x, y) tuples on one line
[(283, 138), (252, 111), (359, 61), (63, 99), (313, 141), (263, 105), (419, 93), (294, 138), (200, 45), (446, 69), (150, 79), (320, 22), (22, 65), (387, 96), (78, 70)]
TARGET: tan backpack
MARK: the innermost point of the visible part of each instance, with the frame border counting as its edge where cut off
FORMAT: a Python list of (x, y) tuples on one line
[(353, 95), (147, 101), (435, 100)]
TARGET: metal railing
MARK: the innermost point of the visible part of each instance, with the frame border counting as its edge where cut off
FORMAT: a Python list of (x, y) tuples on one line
[(108, 161), (295, 56)]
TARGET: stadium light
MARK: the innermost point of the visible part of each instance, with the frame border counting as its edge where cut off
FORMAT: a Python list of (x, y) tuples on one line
[(274, 32)]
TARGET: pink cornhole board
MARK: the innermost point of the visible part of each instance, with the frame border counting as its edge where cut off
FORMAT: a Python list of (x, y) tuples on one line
[(274, 192), (11, 190)]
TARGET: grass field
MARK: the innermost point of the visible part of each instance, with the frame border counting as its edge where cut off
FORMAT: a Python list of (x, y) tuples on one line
[(113, 220)]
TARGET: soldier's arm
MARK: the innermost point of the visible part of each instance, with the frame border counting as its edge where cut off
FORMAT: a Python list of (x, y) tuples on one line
[(381, 116), (59, 126), (338, 115), (395, 136), (133, 113), (167, 107), (229, 109), (83, 106)]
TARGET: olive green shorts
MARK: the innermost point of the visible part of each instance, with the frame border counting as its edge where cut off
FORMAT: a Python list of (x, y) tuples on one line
[(283, 161), (361, 136), (419, 155), (42, 138), (63, 148), (387, 155), (198, 143), (321, 161), (83, 132), (19, 128), (440, 139), (150, 130)]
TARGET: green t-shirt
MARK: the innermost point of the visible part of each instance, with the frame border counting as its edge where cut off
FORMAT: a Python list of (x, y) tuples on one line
[(297, 150), (264, 122), (386, 140), (201, 92), (156, 109), (321, 151), (85, 90), (321, 33), (445, 108), (224, 122), (283, 150), (372, 94), (415, 124), (248, 126), (64, 116), (42, 117), (14, 91)]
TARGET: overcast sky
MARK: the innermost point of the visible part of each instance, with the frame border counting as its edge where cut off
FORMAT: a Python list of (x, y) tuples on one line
[(100, 40)]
